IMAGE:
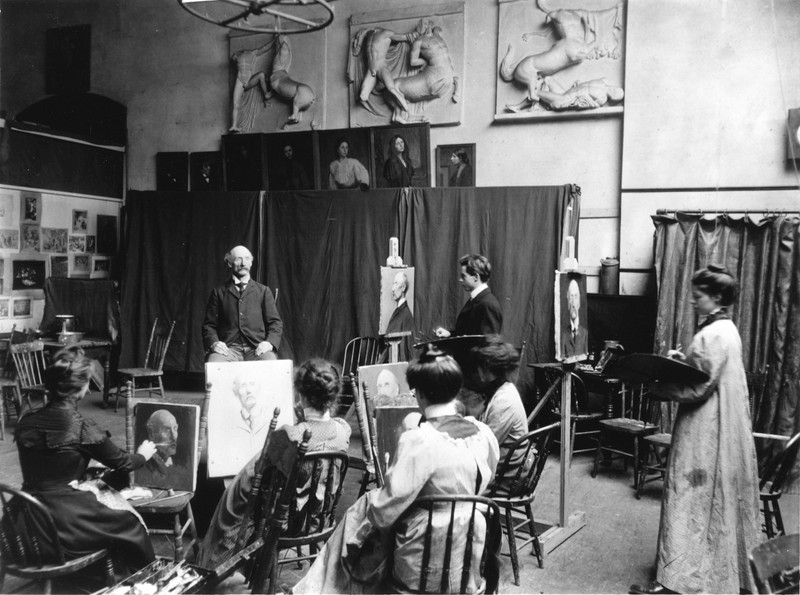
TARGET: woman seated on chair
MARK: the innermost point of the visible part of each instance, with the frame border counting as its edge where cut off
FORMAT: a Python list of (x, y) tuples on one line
[(318, 385), (498, 403), (445, 454), (55, 446)]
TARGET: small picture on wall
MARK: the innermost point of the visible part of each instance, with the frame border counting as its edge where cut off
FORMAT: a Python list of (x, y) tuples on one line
[(30, 237), (30, 207), (6, 209), (243, 156), (79, 221), (59, 266), (22, 308), (77, 243), (290, 160), (455, 165), (28, 274), (91, 243), (81, 265), (344, 158), (205, 171), (172, 171), (107, 234), (9, 239), (54, 240), (101, 267), (400, 155), (5, 304)]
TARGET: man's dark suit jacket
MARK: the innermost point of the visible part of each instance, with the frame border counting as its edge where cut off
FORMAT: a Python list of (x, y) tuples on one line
[(254, 314), (479, 316), (577, 345), (402, 320)]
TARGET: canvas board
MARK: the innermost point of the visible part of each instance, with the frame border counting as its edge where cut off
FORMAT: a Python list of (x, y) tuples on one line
[(175, 429), (571, 318), (243, 398), (387, 384), (388, 303), (390, 423)]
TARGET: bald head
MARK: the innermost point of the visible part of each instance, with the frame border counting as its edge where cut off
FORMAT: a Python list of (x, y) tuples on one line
[(399, 286), (387, 384), (239, 260), (574, 300), (162, 428)]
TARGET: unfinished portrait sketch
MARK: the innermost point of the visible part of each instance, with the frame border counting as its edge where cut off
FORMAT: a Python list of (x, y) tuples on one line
[(277, 82), (560, 56), (406, 65), (243, 398)]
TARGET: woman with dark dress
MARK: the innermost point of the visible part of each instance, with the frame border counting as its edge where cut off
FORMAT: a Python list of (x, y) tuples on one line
[(317, 383), (55, 446), (462, 169), (398, 169)]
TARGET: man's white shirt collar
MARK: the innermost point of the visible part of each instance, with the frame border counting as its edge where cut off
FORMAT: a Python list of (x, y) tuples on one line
[(477, 290)]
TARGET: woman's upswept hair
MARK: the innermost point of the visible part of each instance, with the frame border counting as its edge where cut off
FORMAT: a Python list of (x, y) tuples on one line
[(462, 155), (716, 279), (319, 381), (499, 357), (68, 373), (437, 375)]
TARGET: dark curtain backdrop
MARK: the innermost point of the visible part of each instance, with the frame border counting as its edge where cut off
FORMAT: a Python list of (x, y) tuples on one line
[(322, 251), (174, 244), (765, 258)]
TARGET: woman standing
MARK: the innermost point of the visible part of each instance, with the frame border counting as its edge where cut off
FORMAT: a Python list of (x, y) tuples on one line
[(318, 384), (710, 510), (398, 169), (345, 172), (55, 446), (445, 454), (462, 170)]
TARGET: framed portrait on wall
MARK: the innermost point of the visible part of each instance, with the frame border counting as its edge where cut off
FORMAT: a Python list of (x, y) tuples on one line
[(80, 219), (455, 165), (77, 243), (344, 159), (30, 207), (205, 171), (21, 308), (244, 161), (172, 171), (400, 156), (291, 163)]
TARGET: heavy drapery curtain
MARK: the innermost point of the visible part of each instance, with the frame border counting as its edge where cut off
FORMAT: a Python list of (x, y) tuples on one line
[(764, 256), (322, 250), (173, 249)]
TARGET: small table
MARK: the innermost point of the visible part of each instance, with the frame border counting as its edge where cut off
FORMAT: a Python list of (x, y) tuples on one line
[(100, 348)]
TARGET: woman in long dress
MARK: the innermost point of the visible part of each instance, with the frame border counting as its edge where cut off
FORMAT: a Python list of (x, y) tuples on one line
[(398, 169), (345, 172), (710, 509), (445, 454), (318, 384), (55, 445)]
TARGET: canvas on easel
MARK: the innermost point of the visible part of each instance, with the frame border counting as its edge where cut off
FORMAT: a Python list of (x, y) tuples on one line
[(175, 430), (243, 398), (390, 423), (571, 320), (387, 384)]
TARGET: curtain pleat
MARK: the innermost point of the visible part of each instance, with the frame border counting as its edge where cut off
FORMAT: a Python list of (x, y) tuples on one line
[(765, 258)]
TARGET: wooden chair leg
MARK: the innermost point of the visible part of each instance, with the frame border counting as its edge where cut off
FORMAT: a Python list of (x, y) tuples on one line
[(636, 463), (537, 545), (779, 530), (108, 569), (2, 414), (161, 387), (177, 530), (512, 544), (597, 454), (643, 469)]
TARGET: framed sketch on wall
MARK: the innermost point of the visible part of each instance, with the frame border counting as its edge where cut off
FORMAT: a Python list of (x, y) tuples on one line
[(59, 266), (21, 308), (28, 273), (455, 165), (400, 156), (9, 239), (30, 207), (54, 240), (243, 398), (291, 163), (81, 266), (344, 159), (172, 171), (101, 267), (5, 311), (205, 169), (31, 237)]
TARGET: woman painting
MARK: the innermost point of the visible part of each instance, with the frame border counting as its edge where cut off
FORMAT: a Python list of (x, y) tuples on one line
[(55, 446), (710, 510), (318, 384), (345, 172), (398, 169), (461, 168), (502, 409), (445, 454)]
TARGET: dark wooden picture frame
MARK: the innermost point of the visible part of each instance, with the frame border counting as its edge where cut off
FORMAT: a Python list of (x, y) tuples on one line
[(28, 275), (446, 170), (292, 161), (172, 171), (245, 161), (417, 141), (360, 145), (205, 171)]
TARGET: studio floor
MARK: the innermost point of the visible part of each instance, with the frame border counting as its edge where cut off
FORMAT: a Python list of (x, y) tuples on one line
[(615, 548)]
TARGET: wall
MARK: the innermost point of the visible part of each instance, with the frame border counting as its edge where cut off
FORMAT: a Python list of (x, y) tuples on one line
[(707, 89)]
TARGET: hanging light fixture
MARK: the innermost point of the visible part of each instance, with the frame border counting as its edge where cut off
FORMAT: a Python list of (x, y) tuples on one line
[(264, 16)]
